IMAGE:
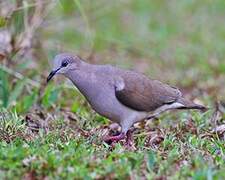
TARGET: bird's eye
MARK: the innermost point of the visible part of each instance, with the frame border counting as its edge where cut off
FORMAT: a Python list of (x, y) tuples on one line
[(64, 63)]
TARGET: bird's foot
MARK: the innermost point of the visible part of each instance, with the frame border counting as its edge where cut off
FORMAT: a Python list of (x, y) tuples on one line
[(129, 139), (111, 139), (129, 144)]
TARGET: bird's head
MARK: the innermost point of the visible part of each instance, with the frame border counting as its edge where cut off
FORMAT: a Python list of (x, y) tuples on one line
[(63, 64)]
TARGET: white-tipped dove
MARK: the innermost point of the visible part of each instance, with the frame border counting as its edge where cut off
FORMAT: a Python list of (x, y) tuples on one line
[(123, 96)]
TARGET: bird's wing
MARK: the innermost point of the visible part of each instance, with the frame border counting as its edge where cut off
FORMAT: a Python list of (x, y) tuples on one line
[(143, 94)]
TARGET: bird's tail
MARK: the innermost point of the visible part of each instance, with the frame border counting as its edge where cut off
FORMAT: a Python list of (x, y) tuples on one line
[(191, 105)]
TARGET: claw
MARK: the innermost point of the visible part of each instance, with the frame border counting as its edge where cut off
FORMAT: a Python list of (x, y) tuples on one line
[(111, 139), (114, 139)]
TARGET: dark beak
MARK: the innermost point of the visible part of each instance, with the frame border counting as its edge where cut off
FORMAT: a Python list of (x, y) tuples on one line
[(50, 76)]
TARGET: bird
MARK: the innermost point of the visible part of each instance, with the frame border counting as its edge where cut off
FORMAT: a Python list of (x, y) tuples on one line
[(123, 96)]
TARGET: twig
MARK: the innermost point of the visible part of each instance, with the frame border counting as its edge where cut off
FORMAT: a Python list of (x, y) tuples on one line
[(29, 6), (20, 76)]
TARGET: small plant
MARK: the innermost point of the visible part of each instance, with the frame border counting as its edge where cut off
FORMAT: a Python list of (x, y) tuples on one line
[(11, 126)]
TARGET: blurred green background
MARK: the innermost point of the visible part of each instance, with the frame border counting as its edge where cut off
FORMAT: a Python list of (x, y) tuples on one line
[(181, 42)]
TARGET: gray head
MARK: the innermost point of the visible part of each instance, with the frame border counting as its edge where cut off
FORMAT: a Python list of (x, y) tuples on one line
[(64, 63)]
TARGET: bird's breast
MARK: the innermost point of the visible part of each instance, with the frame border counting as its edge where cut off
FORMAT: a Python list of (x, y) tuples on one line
[(101, 96)]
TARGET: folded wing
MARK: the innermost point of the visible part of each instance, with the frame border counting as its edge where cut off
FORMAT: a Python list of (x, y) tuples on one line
[(143, 94)]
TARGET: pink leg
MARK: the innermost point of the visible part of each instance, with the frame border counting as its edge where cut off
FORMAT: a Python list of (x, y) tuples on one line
[(117, 138), (129, 138)]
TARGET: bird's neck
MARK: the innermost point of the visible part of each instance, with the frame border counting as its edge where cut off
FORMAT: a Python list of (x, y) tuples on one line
[(81, 77)]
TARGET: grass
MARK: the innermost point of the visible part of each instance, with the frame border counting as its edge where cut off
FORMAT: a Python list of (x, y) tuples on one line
[(49, 131), (64, 153)]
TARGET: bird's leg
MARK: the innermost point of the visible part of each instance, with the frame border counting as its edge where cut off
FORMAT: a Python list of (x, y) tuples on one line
[(125, 132), (129, 138)]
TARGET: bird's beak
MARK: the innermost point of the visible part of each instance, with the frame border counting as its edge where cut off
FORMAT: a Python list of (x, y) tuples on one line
[(50, 76)]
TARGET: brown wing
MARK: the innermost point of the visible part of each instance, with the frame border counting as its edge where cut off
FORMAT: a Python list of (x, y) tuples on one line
[(144, 94)]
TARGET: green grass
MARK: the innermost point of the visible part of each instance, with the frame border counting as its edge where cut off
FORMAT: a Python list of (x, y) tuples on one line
[(49, 131), (63, 152)]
